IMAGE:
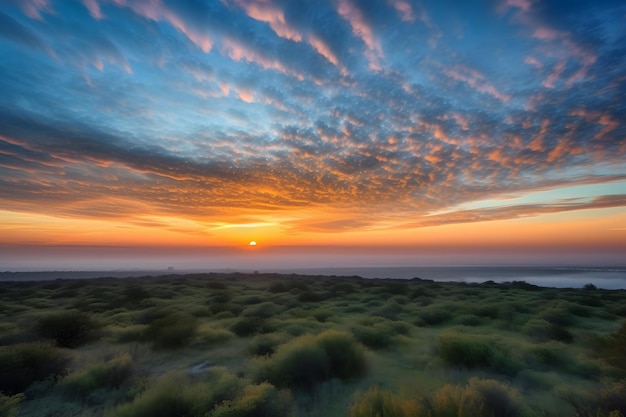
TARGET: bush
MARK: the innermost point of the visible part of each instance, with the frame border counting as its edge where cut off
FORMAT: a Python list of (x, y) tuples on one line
[(111, 374), (378, 402), (607, 402), (24, 363), (298, 363), (220, 394), (613, 348), (559, 316), (475, 351), (217, 308), (374, 337), (345, 357), (262, 400), (172, 331), (213, 336), (478, 398), (175, 395), (277, 287), (309, 359), (390, 310), (69, 328), (469, 320), (9, 403), (263, 310), (310, 297), (541, 330), (435, 316), (264, 345), (248, 326)]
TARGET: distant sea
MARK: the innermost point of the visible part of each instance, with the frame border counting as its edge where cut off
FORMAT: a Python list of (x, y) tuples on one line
[(557, 277)]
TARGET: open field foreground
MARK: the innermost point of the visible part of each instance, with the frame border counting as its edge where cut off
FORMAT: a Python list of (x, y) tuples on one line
[(284, 345)]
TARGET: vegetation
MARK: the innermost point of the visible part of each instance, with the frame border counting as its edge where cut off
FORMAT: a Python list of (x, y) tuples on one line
[(68, 328), (270, 345)]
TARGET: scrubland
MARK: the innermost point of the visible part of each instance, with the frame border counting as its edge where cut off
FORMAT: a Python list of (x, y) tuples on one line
[(286, 345)]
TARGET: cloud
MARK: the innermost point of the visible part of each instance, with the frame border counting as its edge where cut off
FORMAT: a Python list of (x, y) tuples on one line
[(158, 11), (520, 211), (404, 9), (205, 110), (361, 28), (475, 80), (94, 9), (270, 13)]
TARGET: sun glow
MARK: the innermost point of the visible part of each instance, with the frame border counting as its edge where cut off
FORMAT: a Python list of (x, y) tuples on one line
[(252, 243)]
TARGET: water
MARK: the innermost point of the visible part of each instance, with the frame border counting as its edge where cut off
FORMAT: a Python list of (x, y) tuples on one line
[(558, 277)]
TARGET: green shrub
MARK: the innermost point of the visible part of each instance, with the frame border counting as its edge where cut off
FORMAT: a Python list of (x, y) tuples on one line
[(262, 400), (478, 398), (310, 297), (277, 287), (134, 294), (9, 403), (24, 363), (606, 402), (435, 315), (400, 327), (218, 308), (345, 357), (498, 399), (464, 350), (172, 396), (321, 315), (613, 348), (213, 336), (377, 402), (550, 355), (216, 285), (541, 330), (491, 311), (172, 331), (263, 310), (68, 328), (176, 395), (390, 310), (468, 320), (476, 351), (298, 363), (559, 316), (309, 359), (374, 337), (110, 374), (264, 344), (247, 326)]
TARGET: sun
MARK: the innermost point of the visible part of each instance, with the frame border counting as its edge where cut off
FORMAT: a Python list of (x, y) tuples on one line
[(252, 243)]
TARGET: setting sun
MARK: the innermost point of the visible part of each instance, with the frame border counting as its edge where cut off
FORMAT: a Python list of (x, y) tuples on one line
[(252, 243)]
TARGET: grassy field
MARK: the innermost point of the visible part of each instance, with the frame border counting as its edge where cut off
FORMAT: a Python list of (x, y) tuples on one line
[(284, 345)]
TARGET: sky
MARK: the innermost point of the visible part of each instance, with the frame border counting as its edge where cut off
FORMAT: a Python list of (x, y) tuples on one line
[(490, 130)]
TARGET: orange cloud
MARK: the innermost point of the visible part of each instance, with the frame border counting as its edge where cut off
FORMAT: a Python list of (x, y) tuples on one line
[(94, 9), (266, 11), (476, 80), (157, 11), (324, 50), (361, 28), (238, 51), (404, 9), (34, 8)]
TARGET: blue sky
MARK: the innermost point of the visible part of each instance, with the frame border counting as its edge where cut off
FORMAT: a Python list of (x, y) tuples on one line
[(306, 118)]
